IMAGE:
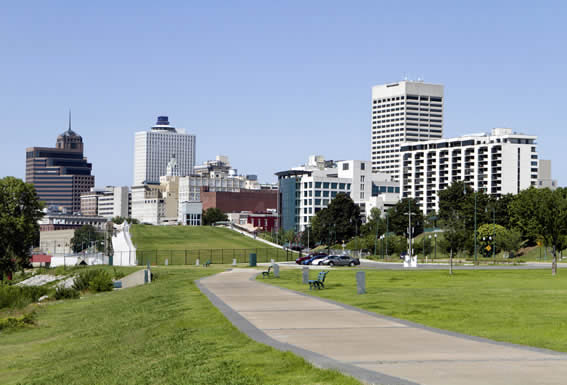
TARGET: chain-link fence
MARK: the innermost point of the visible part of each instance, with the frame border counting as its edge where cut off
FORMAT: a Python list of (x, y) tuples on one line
[(215, 256)]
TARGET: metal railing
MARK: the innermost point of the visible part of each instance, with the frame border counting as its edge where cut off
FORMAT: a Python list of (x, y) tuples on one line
[(216, 256)]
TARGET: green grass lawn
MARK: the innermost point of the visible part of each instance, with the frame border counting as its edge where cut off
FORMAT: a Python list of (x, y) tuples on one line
[(190, 237), (185, 244), (526, 307), (163, 333)]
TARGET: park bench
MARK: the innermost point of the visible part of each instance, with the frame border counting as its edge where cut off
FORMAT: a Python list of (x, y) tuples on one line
[(319, 282), (207, 264), (267, 273)]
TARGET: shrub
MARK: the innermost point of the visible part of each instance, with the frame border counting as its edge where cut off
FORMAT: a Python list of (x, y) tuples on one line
[(15, 322), (118, 274), (66, 293), (83, 279), (101, 282), (19, 296)]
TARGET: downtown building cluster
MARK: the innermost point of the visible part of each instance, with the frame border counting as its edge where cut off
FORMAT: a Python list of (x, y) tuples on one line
[(410, 158)]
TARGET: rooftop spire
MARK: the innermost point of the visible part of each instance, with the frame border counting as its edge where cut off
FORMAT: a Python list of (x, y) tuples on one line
[(69, 119)]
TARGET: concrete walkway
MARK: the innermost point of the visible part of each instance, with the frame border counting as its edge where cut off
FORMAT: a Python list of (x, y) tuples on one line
[(375, 349)]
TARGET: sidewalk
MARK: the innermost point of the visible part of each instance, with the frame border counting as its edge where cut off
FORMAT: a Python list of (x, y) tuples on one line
[(373, 348)]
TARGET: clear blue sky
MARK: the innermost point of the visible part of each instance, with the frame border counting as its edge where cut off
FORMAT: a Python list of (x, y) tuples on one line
[(268, 83)]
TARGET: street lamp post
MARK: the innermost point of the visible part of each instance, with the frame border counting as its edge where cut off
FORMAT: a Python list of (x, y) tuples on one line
[(429, 244), (387, 220), (475, 246), (435, 236), (409, 227), (493, 231)]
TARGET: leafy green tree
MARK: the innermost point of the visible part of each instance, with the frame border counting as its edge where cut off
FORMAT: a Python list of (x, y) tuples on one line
[(20, 209), (512, 241), (212, 215), (492, 235), (375, 224), (551, 217), (459, 199), (501, 207), (399, 219), (338, 221), (85, 236), (523, 210), (119, 220)]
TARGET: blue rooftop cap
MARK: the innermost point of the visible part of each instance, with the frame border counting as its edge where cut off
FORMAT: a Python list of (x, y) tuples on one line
[(162, 121)]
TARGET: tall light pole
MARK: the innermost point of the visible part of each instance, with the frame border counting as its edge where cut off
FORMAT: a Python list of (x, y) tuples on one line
[(387, 220), (493, 230), (475, 198), (435, 235), (475, 247), (409, 227), (376, 238)]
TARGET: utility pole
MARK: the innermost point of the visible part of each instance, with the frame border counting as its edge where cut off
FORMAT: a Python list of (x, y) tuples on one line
[(409, 227)]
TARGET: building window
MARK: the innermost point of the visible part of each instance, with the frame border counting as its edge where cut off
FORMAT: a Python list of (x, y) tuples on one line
[(317, 184), (345, 166), (362, 166)]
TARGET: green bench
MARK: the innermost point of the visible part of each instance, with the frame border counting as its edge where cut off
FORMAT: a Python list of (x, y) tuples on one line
[(267, 273), (207, 264), (318, 283)]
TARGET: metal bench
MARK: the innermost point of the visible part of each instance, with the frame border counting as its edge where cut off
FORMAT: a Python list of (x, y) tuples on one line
[(267, 273), (318, 283)]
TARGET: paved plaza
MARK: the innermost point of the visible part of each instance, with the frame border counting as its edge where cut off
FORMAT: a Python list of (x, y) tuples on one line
[(373, 348)]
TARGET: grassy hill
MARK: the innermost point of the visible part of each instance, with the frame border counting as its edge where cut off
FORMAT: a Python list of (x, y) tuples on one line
[(163, 333), (184, 244)]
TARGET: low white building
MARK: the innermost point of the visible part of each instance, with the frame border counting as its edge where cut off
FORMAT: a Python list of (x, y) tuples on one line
[(498, 163), (109, 202), (307, 189), (190, 213)]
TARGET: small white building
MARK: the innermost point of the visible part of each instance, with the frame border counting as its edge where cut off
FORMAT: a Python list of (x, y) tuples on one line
[(307, 189), (190, 213)]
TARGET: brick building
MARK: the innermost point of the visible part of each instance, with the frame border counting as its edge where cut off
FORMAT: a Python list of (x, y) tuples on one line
[(245, 200)]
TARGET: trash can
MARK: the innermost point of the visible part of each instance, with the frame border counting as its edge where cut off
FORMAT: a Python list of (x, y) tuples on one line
[(252, 259)]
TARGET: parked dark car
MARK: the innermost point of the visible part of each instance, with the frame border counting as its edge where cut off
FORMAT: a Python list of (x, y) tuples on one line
[(340, 260), (313, 258)]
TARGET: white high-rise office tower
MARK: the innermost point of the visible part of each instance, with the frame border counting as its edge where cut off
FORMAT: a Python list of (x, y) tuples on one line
[(155, 148), (403, 112)]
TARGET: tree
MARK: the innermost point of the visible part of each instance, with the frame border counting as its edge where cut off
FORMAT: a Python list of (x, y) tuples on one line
[(492, 235), (212, 215), (20, 210), (523, 210), (338, 221), (454, 237), (459, 199), (375, 224), (551, 217), (83, 238), (399, 221), (119, 220)]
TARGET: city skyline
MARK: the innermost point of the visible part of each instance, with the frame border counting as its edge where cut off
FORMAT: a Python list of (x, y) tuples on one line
[(283, 84)]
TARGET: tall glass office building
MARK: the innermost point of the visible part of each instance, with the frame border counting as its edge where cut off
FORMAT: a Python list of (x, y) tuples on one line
[(62, 173)]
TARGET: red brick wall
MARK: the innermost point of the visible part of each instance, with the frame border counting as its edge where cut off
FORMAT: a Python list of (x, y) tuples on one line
[(245, 200)]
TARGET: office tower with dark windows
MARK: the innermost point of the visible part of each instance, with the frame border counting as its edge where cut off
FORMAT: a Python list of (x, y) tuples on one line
[(403, 112), (62, 173)]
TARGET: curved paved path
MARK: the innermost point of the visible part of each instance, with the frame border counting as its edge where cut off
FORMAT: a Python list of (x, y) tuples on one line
[(373, 348)]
